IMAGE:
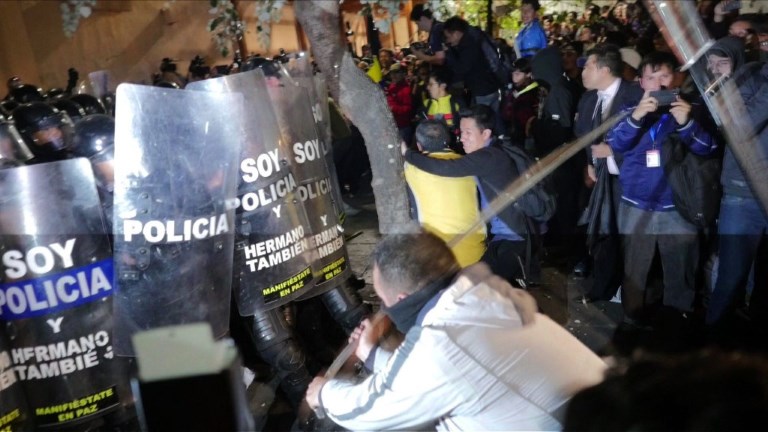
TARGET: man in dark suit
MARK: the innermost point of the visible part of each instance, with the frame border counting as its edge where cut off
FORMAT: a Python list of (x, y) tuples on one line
[(607, 95)]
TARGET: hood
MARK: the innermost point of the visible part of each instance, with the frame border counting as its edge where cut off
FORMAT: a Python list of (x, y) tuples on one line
[(731, 47), (547, 65)]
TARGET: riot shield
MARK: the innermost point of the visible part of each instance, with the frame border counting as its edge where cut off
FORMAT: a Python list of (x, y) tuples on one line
[(315, 189), (101, 85), (56, 295), (272, 254), (301, 72), (14, 411), (175, 153)]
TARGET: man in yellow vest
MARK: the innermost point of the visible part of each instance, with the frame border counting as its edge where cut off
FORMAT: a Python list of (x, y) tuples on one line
[(445, 206)]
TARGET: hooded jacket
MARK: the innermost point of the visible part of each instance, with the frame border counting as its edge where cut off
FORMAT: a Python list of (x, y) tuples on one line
[(731, 47), (554, 125), (478, 358), (752, 81)]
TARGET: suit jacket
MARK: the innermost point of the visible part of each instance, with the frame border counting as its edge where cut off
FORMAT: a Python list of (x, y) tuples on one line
[(600, 215), (629, 93)]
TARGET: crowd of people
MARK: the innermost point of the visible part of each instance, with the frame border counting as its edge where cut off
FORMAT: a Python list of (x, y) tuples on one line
[(459, 98)]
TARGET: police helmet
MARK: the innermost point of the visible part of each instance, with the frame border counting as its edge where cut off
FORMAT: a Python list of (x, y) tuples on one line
[(46, 130), (94, 138), (26, 93), (89, 103), (167, 84), (54, 93), (271, 68), (13, 151), (7, 106), (73, 110)]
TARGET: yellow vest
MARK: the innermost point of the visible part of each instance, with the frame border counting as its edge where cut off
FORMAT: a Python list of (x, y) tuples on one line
[(448, 206), (441, 107)]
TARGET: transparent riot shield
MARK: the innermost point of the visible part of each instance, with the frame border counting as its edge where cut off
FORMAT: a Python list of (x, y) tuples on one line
[(101, 85), (300, 71), (175, 179), (293, 109), (272, 254), (14, 411), (56, 294)]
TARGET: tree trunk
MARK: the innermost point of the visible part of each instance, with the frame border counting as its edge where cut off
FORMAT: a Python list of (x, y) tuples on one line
[(365, 105)]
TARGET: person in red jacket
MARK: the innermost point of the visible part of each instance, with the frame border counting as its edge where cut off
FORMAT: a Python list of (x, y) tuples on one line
[(399, 101)]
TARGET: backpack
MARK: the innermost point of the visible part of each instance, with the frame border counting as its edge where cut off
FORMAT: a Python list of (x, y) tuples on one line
[(695, 182), (540, 202), (493, 55)]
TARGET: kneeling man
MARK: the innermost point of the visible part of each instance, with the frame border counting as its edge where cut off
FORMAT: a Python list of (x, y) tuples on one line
[(476, 355)]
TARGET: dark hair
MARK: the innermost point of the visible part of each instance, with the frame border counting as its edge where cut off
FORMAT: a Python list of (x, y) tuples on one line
[(609, 56), (522, 64), (410, 262), (440, 76), (759, 23), (432, 135), (483, 116), (702, 391), (656, 60), (455, 24), (419, 11), (534, 4)]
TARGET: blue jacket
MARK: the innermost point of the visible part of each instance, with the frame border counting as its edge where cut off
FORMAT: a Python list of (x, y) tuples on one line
[(531, 39), (643, 187)]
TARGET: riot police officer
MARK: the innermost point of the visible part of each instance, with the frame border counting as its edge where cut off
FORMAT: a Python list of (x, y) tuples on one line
[(73, 109), (46, 131)]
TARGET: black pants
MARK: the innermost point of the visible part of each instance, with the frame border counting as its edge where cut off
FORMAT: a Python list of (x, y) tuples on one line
[(607, 268), (506, 258)]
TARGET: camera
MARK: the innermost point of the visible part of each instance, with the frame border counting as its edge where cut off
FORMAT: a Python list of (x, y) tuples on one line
[(421, 46), (664, 97)]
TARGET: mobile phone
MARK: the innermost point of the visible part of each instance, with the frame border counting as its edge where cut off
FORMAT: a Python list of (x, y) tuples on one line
[(732, 6), (664, 97)]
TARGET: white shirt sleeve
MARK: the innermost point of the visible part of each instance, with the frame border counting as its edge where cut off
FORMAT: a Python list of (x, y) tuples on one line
[(413, 389), (613, 168)]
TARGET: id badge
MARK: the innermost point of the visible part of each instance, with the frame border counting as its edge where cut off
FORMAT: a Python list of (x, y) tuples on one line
[(652, 159)]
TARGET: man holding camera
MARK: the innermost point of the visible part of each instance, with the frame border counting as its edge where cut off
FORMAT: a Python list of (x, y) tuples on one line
[(647, 216), (432, 52)]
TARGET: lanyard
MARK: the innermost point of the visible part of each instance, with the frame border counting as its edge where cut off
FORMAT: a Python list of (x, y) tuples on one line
[(654, 131)]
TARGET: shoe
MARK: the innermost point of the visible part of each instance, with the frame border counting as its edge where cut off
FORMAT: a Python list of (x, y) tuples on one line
[(581, 270), (617, 297), (632, 324)]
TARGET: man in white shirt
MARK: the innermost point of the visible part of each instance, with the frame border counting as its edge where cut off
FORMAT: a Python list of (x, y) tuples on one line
[(607, 95)]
